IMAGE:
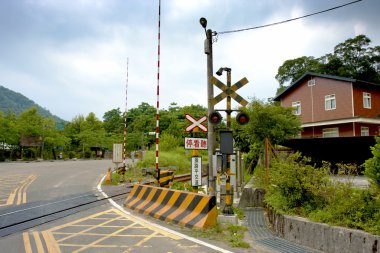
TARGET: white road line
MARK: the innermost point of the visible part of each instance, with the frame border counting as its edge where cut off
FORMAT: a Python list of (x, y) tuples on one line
[(159, 226)]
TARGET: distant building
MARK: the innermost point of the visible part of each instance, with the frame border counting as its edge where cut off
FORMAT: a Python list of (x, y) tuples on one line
[(333, 106)]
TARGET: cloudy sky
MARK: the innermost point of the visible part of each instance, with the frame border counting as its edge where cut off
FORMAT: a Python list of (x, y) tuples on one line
[(70, 56)]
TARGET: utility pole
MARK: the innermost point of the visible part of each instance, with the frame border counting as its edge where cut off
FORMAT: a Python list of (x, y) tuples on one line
[(210, 106)]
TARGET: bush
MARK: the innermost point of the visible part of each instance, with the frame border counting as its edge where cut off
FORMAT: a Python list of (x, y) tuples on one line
[(350, 207), (169, 142), (372, 165), (71, 154), (296, 187)]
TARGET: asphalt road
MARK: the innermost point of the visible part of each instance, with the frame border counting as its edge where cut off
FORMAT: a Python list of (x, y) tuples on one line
[(58, 178), (99, 228)]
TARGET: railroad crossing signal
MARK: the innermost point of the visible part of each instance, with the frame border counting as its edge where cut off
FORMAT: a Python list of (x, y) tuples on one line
[(229, 91), (215, 118), (196, 123)]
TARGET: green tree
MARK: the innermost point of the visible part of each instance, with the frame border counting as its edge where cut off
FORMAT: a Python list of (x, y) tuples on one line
[(86, 133), (73, 129), (8, 130), (293, 69), (266, 121), (353, 58), (113, 121), (177, 122), (30, 123), (9, 136), (93, 133)]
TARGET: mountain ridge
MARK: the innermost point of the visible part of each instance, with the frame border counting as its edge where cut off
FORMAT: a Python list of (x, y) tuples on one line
[(16, 102)]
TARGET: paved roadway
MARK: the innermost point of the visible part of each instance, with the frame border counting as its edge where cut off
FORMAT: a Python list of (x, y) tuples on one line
[(102, 228)]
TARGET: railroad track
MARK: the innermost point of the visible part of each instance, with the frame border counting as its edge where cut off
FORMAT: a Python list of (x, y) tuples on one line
[(22, 217), (184, 177)]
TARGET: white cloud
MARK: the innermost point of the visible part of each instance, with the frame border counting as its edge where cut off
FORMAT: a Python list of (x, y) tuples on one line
[(78, 62)]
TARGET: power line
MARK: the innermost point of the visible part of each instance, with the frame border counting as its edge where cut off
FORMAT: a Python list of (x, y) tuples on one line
[(289, 20)]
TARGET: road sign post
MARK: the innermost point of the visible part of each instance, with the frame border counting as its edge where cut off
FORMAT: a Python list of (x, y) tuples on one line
[(195, 144)]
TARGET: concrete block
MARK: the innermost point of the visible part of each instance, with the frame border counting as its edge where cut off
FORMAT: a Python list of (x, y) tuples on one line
[(252, 197), (232, 219)]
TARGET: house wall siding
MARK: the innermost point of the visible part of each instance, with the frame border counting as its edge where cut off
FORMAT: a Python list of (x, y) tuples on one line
[(303, 94), (358, 102), (345, 130), (373, 129), (312, 100)]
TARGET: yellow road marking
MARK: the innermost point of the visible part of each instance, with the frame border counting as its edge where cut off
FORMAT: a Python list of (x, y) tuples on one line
[(90, 228), (28, 248), (149, 226), (55, 240), (30, 180), (11, 197), (37, 239), (18, 196), (103, 238), (147, 238), (51, 244)]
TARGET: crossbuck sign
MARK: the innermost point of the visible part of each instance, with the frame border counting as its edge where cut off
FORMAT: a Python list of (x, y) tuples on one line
[(195, 123), (229, 91)]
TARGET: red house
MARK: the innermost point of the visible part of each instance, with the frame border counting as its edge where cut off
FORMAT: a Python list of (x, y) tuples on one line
[(333, 106)]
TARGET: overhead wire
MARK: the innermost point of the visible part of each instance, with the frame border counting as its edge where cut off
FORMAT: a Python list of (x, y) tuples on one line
[(288, 20)]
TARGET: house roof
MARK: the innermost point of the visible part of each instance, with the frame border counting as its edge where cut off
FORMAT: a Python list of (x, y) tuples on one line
[(312, 74)]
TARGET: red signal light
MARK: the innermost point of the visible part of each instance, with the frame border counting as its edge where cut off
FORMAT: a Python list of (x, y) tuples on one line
[(215, 118), (242, 118)]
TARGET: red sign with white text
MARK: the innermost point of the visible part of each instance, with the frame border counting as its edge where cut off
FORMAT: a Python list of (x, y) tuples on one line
[(195, 143)]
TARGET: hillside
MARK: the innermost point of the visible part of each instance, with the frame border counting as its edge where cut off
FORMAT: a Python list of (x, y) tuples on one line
[(17, 103)]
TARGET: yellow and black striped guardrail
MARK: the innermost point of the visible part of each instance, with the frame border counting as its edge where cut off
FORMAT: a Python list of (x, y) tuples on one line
[(184, 208), (166, 176)]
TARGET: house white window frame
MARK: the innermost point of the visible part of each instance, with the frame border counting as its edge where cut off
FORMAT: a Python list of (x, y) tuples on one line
[(311, 82), (330, 132), (297, 110), (364, 131), (367, 100), (330, 102)]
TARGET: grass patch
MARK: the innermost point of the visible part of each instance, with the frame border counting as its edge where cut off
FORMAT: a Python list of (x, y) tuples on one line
[(178, 157), (233, 234)]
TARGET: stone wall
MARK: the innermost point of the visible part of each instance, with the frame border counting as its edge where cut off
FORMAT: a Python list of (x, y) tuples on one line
[(322, 236)]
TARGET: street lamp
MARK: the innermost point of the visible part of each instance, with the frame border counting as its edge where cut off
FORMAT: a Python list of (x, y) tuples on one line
[(210, 106)]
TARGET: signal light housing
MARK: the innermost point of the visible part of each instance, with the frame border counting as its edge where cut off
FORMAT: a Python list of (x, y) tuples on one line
[(242, 118), (215, 118)]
